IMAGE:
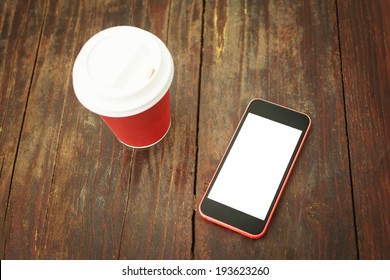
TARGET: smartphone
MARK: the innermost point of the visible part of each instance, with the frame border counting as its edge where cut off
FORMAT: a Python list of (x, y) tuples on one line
[(248, 183)]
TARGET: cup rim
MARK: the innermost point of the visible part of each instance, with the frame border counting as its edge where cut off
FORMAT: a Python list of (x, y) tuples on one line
[(112, 100)]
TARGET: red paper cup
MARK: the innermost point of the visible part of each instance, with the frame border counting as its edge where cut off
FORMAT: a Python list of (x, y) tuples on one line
[(150, 126), (123, 74)]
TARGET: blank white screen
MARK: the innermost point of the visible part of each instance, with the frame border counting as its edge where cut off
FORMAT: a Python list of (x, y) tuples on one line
[(255, 166)]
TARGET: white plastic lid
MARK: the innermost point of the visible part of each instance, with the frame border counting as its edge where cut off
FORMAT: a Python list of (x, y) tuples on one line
[(122, 71)]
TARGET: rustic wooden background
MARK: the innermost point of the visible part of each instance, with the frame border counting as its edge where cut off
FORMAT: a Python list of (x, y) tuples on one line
[(70, 190)]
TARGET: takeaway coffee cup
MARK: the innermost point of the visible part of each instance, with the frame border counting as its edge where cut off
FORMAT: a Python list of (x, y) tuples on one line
[(123, 74)]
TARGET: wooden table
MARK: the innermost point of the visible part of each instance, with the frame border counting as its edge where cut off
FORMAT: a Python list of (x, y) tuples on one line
[(70, 190)]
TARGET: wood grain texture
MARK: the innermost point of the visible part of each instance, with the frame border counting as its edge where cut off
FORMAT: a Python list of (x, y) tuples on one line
[(286, 52), (364, 37), (70, 190), (34, 187), (159, 216), (20, 28), (77, 192)]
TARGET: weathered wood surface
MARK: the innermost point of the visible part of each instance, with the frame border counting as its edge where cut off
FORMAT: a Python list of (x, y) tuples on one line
[(20, 28), (76, 191), (365, 49), (159, 217), (70, 190), (286, 52)]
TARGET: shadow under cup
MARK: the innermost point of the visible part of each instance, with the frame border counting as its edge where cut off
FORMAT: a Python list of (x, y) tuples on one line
[(144, 129)]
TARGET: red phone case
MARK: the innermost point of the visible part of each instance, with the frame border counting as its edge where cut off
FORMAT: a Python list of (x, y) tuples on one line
[(254, 236)]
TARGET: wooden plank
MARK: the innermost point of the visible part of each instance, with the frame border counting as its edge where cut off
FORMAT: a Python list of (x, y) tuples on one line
[(80, 194), (286, 52), (20, 27), (159, 217), (365, 49), (34, 179), (89, 190)]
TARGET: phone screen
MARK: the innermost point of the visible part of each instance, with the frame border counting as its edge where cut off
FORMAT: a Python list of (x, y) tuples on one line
[(253, 172), (255, 165)]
